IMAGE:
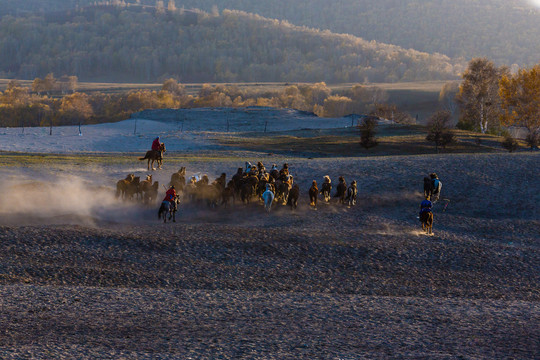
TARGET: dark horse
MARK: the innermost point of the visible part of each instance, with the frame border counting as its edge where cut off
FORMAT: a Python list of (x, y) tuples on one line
[(293, 196), (155, 155), (428, 187), (426, 218), (341, 190), (168, 208)]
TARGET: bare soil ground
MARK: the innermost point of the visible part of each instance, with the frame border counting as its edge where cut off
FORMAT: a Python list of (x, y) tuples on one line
[(86, 277)]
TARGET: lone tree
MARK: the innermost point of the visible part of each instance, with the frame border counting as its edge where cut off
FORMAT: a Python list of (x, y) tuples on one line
[(478, 96), (520, 101), (439, 132), (367, 132)]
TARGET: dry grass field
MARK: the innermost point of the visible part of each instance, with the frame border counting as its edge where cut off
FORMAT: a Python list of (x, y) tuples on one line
[(392, 139)]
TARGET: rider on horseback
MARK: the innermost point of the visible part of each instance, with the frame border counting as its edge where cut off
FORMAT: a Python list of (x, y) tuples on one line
[(170, 196), (425, 207), (156, 145), (436, 186)]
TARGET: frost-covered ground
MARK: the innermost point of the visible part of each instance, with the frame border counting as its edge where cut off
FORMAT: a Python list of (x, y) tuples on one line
[(84, 275), (180, 130)]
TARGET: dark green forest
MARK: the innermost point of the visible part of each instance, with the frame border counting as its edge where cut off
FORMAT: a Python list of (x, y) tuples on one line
[(506, 31), (146, 44)]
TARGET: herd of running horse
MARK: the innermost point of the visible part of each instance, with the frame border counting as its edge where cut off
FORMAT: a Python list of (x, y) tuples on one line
[(249, 183)]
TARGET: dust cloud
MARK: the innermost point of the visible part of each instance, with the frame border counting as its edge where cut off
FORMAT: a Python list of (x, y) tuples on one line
[(65, 199)]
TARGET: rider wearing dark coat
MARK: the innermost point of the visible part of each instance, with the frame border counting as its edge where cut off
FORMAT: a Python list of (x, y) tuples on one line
[(425, 206)]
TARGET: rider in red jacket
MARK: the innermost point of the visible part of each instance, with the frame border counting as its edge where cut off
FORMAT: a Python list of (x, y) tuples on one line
[(156, 145), (170, 196)]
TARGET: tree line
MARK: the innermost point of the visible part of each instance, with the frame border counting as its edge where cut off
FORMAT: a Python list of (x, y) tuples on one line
[(152, 44), (44, 104)]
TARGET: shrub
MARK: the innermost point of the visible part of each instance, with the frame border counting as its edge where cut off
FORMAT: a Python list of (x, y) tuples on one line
[(438, 131), (367, 132), (532, 140), (509, 143)]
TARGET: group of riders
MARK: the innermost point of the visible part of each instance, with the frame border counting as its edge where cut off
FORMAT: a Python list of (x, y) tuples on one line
[(279, 185), (275, 185)]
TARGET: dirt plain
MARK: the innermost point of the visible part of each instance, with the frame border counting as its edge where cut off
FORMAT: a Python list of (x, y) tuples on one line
[(105, 279)]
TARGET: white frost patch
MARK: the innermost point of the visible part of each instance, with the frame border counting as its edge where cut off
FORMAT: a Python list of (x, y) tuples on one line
[(180, 130)]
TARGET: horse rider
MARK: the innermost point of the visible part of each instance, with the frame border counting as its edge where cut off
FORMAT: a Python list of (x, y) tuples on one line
[(156, 145), (436, 185), (170, 196), (425, 207)]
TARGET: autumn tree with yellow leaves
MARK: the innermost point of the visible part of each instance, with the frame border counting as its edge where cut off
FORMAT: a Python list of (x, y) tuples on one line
[(478, 97), (520, 101)]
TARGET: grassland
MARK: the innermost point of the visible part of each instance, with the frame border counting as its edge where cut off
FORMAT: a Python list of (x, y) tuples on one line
[(393, 140)]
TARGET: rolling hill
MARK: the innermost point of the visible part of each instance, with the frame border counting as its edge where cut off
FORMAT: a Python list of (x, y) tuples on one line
[(144, 44), (506, 31)]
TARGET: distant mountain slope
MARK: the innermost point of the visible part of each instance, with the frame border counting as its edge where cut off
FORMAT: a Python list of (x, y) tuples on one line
[(506, 31), (141, 44)]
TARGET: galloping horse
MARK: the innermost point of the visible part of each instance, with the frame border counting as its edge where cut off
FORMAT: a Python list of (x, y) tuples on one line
[(352, 192), (122, 185), (326, 188), (313, 194), (341, 190), (293, 196), (178, 179), (427, 221), (155, 155), (168, 208), (268, 197)]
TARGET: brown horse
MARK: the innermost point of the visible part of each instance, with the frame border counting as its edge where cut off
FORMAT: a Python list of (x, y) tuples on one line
[(248, 188), (228, 193), (178, 179), (313, 193), (134, 188), (155, 155), (293, 196), (122, 186), (341, 190), (326, 188), (146, 184), (427, 221), (150, 193)]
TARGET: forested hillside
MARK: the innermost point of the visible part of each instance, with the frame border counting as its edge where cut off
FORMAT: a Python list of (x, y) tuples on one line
[(147, 44), (506, 31)]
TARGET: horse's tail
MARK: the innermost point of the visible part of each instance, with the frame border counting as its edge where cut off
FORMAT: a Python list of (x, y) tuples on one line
[(143, 158)]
